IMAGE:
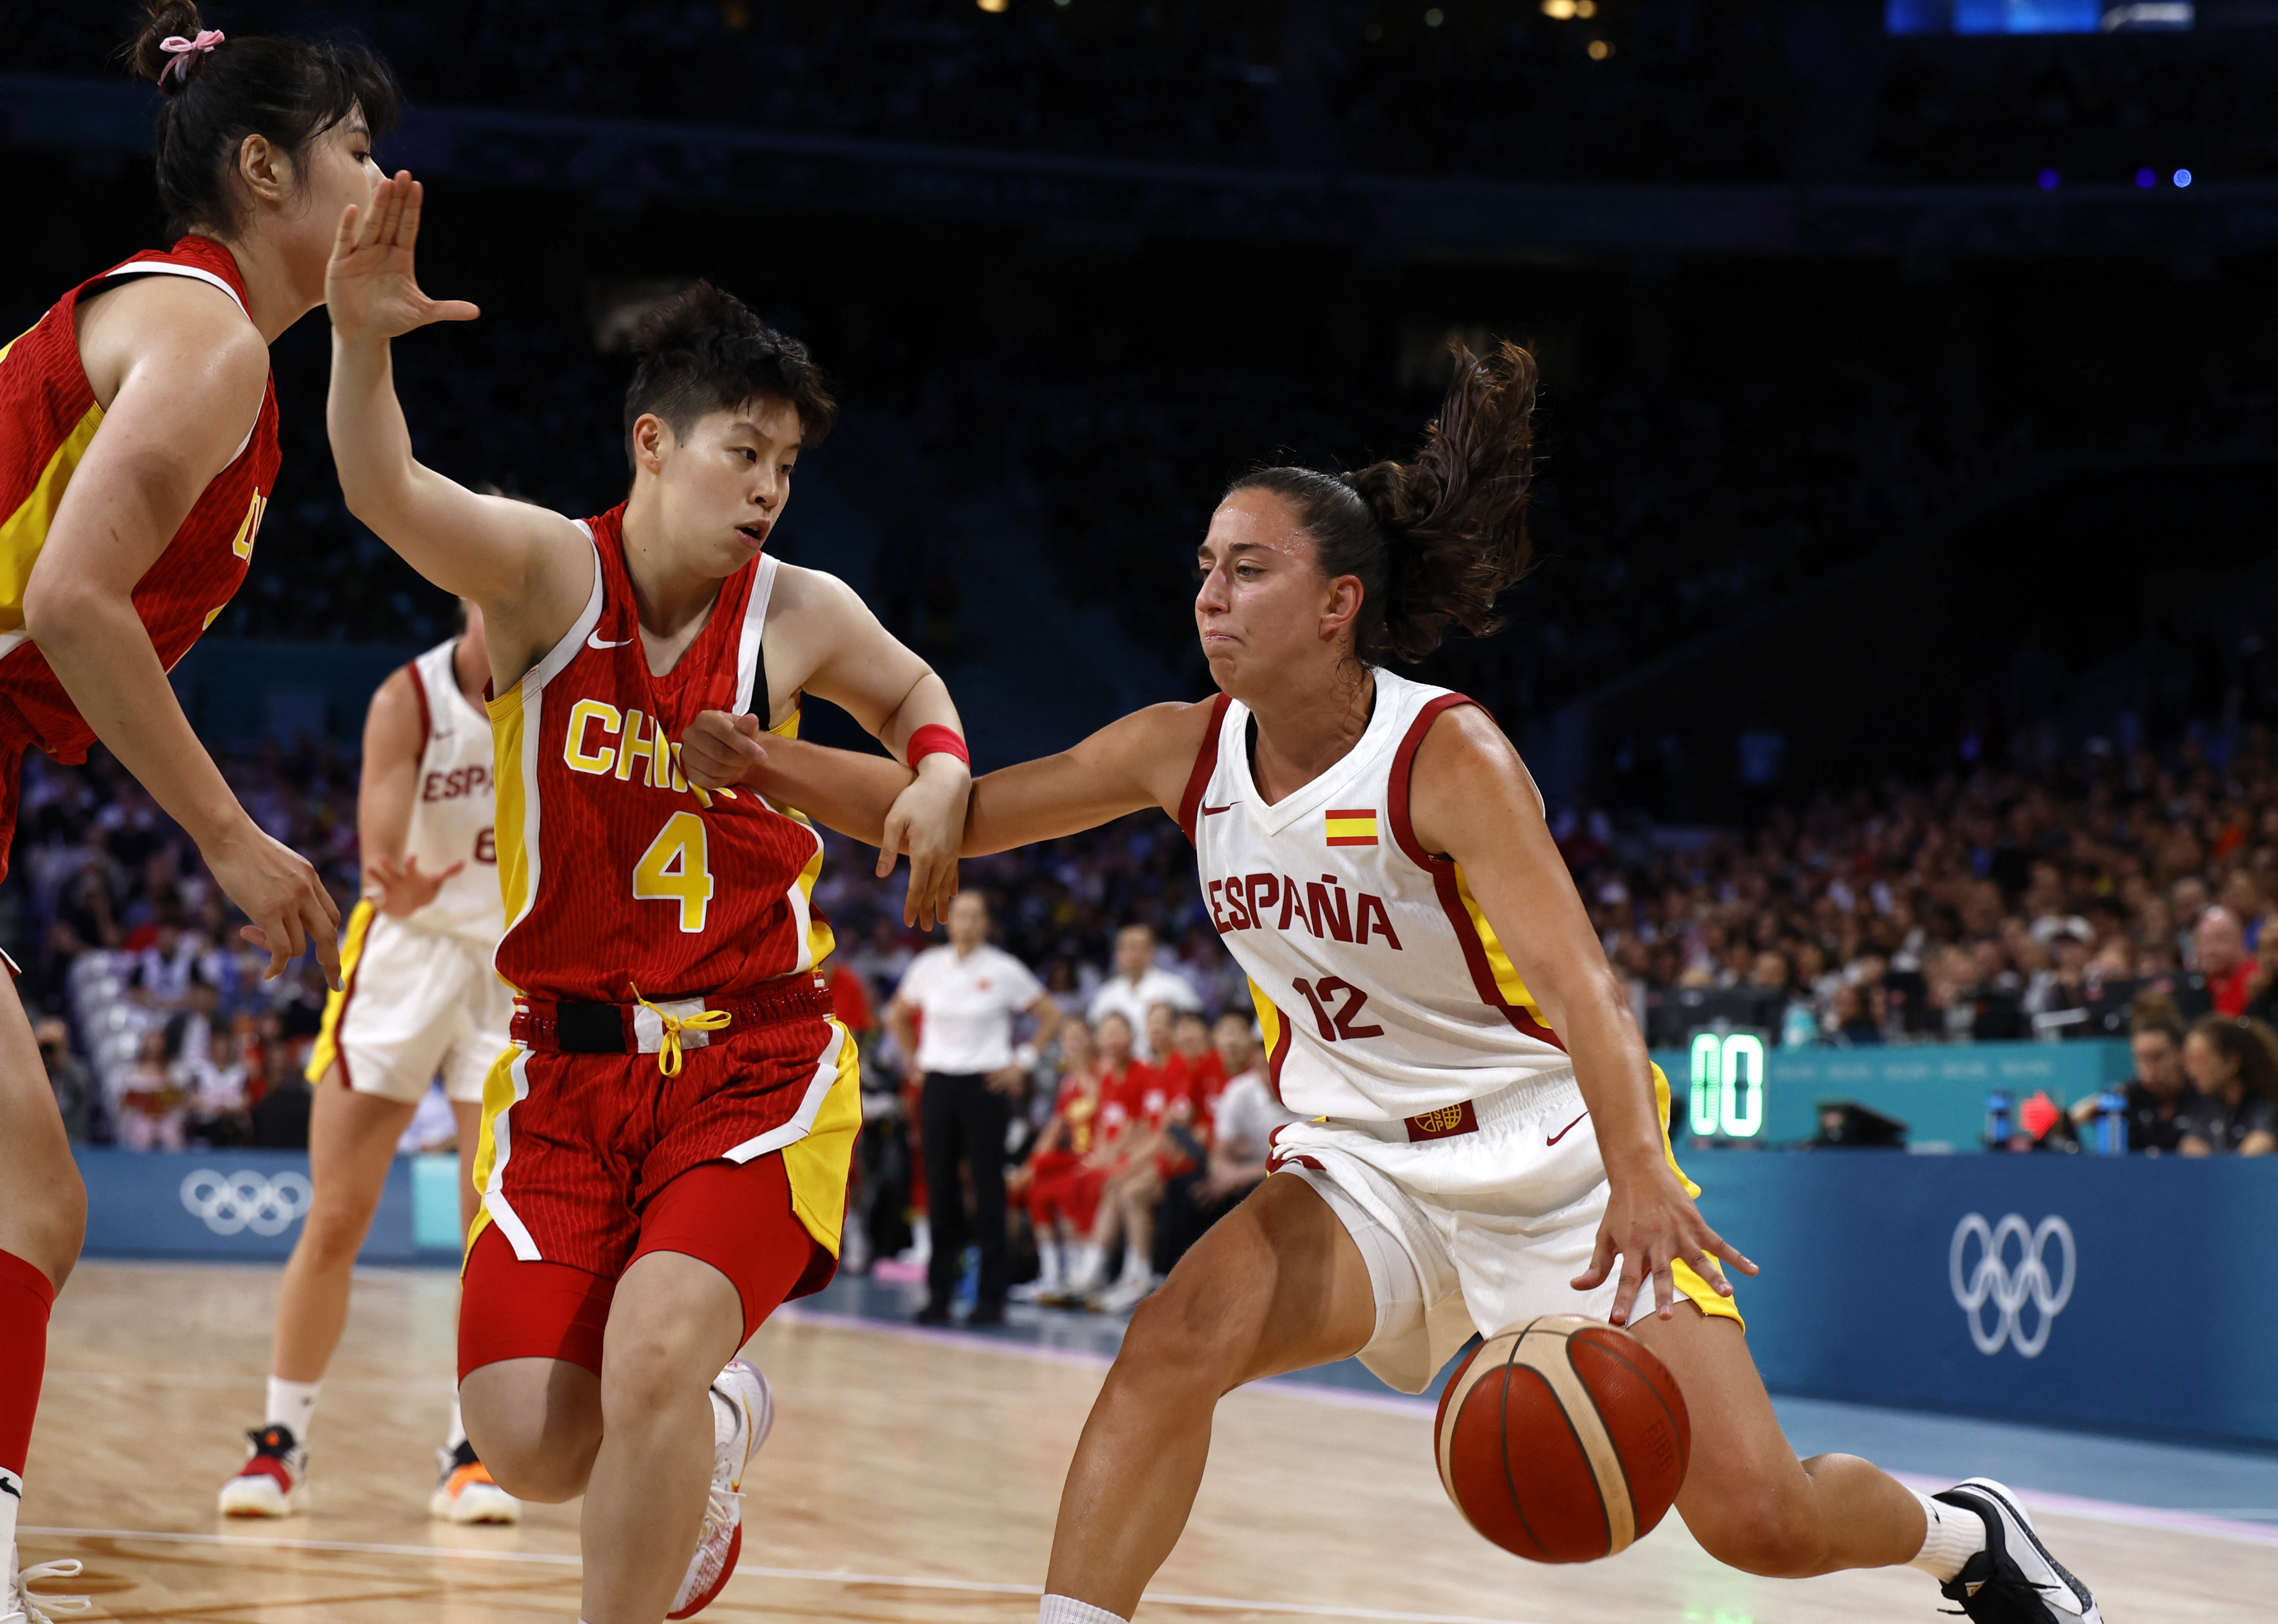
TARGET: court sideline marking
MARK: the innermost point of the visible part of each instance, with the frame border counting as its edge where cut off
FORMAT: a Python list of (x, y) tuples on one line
[(551, 1558)]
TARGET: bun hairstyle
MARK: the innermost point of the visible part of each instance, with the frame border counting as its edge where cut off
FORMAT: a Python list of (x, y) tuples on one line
[(705, 350), (289, 91), (2247, 1044), (1437, 541)]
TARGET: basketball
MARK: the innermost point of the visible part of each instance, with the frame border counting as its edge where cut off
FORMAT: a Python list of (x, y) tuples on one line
[(1562, 1440)]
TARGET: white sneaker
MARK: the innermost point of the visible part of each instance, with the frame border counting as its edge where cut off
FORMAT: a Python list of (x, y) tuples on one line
[(272, 1483), (1125, 1295), (743, 1413), (2013, 1580), (19, 1605), (465, 1492)]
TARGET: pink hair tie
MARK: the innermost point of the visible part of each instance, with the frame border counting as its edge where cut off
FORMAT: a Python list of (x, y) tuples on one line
[(181, 49)]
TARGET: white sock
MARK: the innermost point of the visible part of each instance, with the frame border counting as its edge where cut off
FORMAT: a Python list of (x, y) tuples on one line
[(1067, 1609), (1048, 1267), (1085, 1274), (458, 1434), (1954, 1535), (291, 1403), (11, 1498)]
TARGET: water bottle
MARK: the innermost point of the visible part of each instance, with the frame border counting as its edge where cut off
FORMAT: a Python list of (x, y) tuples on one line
[(1997, 1119), (1799, 1027), (2112, 1124)]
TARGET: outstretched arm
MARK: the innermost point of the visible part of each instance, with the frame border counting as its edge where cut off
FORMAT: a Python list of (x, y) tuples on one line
[(530, 569), (1141, 760), (1472, 799)]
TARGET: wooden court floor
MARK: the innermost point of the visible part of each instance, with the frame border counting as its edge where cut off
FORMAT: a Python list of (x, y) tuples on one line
[(906, 1480)]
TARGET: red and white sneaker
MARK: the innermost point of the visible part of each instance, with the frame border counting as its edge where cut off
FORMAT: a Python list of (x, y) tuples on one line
[(465, 1492), (743, 1412), (274, 1480)]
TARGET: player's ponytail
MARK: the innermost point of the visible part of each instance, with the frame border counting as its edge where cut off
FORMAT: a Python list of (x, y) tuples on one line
[(219, 90), (1436, 541)]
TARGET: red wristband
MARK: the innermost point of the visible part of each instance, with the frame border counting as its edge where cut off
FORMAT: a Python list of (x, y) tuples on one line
[(933, 739)]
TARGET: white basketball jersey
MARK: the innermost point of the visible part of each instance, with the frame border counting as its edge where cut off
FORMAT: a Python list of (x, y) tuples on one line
[(1382, 990), (453, 809)]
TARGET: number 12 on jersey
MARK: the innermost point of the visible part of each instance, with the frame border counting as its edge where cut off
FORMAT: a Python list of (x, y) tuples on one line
[(678, 869), (1343, 1024)]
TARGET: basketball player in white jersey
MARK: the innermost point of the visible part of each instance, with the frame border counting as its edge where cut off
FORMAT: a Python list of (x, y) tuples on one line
[(418, 1001), (1483, 1132)]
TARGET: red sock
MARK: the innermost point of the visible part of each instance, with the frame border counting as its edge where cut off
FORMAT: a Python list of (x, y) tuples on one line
[(26, 1296)]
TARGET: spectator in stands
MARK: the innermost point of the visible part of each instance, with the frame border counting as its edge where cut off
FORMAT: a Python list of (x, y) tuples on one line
[(2233, 1064), (67, 1076), (963, 998), (213, 1079), (150, 1111), (1059, 1186), (1139, 984), (1128, 1086), (2160, 1093), (1248, 1113), (2221, 943)]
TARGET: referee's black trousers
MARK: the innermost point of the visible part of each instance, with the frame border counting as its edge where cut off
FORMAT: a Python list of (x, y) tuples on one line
[(962, 1120)]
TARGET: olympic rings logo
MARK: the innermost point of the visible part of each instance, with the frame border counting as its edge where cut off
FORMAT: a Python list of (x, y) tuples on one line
[(2008, 1287), (246, 1201)]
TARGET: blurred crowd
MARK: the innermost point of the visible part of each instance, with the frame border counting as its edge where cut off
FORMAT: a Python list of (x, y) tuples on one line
[(1653, 90)]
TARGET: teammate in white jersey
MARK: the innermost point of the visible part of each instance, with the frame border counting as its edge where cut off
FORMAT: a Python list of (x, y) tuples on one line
[(418, 1001), (1486, 1133)]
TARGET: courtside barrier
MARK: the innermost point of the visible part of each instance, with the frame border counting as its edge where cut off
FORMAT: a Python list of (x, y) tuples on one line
[(2119, 1292), (246, 1205)]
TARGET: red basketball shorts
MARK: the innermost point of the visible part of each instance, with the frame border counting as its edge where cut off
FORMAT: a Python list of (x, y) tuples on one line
[(1060, 1186), (588, 1162)]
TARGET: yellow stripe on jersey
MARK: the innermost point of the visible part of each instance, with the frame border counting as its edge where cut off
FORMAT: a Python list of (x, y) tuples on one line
[(1350, 827), (820, 941), (1507, 978), (506, 723), (1269, 1018), (25, 532), (327, 1048)]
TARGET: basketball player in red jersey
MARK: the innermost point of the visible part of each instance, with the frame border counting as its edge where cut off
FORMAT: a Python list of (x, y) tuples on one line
[(1482, 1132), (666, 1147), (138, 449)]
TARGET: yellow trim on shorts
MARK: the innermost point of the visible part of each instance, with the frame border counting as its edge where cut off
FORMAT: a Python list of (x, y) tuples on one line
[(327, 1048), (1683, 1275), (819, 1165)]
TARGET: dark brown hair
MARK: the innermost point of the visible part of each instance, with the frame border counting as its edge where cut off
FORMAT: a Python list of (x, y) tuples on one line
[(2249, 1045), (704, 351), (2155, 1012), (1436, 542), (288, 91)]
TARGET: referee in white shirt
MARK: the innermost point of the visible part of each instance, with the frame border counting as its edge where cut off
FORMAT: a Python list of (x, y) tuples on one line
[(966, 995)]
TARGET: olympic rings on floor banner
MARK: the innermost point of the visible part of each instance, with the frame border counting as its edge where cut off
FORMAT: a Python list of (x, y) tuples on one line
[(247, 1200), (2010, 1289)]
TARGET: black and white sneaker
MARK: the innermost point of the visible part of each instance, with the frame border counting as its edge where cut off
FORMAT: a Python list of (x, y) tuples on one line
[(2013, 1580)]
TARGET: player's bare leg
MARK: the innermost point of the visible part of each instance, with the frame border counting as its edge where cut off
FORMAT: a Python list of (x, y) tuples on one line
[(1275, 1286), (537, 1424), (1746, 1498), (352, 1139), (42, 1220), (675, 1321), (468, 1114)]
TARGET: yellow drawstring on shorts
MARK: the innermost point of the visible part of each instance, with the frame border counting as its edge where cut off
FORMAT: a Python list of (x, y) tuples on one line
[(667, 1054)]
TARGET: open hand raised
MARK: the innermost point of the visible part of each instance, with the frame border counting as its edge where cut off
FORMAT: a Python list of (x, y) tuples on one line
[(370, 287)]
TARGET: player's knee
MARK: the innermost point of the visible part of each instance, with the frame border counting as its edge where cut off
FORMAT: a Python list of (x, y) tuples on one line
[(533, 1449), (55, 1228), (333, 1233), (651, 1368), (1177, 1338)]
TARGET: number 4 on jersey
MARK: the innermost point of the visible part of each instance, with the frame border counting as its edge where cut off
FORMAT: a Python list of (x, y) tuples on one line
[(677, 867), (1335, 1028)]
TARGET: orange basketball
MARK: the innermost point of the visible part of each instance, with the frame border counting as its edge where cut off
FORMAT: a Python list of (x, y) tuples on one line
[(1562, 1440)]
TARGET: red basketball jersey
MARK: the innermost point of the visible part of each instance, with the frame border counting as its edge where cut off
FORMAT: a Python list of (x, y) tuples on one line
[(48, 419), (618, 872)]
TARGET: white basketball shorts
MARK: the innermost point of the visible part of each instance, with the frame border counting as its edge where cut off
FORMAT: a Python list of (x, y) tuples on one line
[(414, 1004), (1475, 1232)]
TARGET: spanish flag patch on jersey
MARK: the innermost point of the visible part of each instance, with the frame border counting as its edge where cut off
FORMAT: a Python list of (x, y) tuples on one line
[(1352, 828)]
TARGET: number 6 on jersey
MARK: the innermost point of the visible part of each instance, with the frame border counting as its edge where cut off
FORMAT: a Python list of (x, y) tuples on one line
[(676, 868)]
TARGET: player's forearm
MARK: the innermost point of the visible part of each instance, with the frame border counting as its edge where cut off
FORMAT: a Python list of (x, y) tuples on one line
[(927, 705), (1042, 800), (100, 652), (1616, 1076), (841, 789), (371, 443)]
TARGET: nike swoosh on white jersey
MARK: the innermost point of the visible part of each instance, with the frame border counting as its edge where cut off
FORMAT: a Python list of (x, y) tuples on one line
[(594, 640)]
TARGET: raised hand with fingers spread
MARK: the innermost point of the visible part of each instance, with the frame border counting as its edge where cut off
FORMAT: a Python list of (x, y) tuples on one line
[(371, 286)]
